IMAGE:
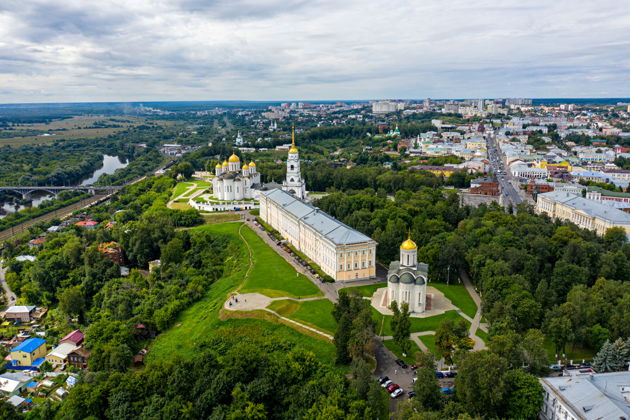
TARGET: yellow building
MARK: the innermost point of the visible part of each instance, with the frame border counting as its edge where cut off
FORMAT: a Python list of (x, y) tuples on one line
[(564, 163), (436, 170), (587, 214), (340, 251), (28, 352), (59, 355)]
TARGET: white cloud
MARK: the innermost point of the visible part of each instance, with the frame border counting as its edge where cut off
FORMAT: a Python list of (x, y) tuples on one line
[(87, 50)]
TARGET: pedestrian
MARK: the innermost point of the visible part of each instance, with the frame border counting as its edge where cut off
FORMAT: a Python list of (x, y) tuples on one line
[(395, 371)]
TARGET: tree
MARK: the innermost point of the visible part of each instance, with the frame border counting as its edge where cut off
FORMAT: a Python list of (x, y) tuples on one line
[(401, 325), (427, 388), (525, 396), (481, 383), (615, 237), (451, 336), (609, 358), (185, 169), (72, 301), (342, 338)]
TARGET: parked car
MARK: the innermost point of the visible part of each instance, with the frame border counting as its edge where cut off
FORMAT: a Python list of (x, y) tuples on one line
[(397, 393), (413, 367), (439, 374), (383, 379), (556, 368), (401, 364), (392, 387), (450, 374), (448, 391), (411, 394), (387, 383)]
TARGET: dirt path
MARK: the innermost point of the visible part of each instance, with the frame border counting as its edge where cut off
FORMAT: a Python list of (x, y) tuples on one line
[(8, 294)]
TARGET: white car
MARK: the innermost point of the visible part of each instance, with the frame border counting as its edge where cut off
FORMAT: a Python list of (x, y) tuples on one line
[(397, 393), (387, 383)]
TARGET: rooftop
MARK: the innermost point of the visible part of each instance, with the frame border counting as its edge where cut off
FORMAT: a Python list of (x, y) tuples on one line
[(29, 345), (590, 207), (337, 232), (597, 396)]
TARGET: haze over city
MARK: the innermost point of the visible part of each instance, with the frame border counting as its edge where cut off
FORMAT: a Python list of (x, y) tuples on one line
[(289, 50)]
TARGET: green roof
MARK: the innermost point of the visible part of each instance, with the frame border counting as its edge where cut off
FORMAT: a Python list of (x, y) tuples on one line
[(609, 193)]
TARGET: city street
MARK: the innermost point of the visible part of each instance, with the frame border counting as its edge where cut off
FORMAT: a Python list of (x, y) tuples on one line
[(508, 191)]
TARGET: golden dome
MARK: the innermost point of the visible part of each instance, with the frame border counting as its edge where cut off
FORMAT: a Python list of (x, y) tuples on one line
[(409, 244), (234, 158), (218, 166), (245, 166), (225, 163), (293, 149), (251, 164)]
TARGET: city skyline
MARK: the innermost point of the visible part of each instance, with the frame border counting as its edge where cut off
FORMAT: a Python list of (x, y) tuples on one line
[(272, 50)]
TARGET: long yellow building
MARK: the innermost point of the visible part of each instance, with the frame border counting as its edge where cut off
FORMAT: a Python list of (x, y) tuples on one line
[(342, 252), (587, 214)]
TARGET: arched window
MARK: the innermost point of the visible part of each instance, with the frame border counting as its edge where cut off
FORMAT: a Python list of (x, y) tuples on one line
[(291, 180), (292, 167), (407, 259)]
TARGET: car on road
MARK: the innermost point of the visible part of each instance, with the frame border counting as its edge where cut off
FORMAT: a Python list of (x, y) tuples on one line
[(397, 393), (392, 387), (387, 383), (411, 394), (383, 379), (555, 368), (401, 364)]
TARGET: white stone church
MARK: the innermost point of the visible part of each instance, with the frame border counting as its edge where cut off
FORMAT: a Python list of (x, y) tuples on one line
[(407, 279)]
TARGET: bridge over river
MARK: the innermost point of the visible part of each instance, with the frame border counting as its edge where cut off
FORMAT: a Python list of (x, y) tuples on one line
[(26, 191)]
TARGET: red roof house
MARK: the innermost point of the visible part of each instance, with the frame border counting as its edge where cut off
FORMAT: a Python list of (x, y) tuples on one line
[(76, 337)]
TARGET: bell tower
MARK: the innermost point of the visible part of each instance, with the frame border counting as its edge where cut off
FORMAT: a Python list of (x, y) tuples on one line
[(294, 184)]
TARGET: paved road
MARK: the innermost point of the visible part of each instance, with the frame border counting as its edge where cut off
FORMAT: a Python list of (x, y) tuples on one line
[(497, 166), (8, 294), (476, 321)]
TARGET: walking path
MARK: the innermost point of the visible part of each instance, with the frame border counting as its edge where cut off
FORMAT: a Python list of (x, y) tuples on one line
[(476, 321), (8, 294), (185, 194), (257, 301)]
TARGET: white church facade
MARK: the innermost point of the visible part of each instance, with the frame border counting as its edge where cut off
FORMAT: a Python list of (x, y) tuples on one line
[(407, 279), (233, 182), (294, 183)]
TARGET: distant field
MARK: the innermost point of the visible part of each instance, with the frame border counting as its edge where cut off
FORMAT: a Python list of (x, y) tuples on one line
[(67, 129)]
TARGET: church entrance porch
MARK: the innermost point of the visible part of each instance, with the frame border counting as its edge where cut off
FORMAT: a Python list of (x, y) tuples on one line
[(436, 303)]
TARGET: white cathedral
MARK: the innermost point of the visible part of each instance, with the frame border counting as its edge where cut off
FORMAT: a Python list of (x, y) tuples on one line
[(233, 182), (407, 279), (294, 183)]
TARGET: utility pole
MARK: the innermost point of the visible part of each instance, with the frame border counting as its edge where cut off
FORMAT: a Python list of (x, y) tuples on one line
[(448, 275)]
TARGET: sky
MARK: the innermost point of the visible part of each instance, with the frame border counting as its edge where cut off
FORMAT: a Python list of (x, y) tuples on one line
[(148, 50)]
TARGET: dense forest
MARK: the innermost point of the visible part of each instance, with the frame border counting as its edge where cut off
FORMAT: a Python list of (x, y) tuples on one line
[(532, 272)]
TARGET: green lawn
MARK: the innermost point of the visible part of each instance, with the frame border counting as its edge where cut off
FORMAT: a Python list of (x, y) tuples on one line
[(272, 275), (576, 354), (367, 290), (429, 341), (314, 313), (182, 187), (417, 324), (483, 335), (459, 296), (395, 348), (200, 322)]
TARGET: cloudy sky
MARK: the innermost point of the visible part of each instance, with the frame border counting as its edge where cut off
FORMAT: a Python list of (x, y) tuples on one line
[(141, 50)]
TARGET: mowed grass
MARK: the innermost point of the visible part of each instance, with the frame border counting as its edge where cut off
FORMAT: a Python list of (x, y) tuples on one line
[(410, 359), (459, 296), (383, 322), (200, 322), (185, 187), (214, 218), (483, 335), (366, 291), (271, 275), (314, 313), (577, 353), (429, 341)]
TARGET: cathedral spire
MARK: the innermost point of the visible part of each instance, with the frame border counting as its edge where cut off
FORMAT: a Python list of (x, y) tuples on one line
[(293, 149)]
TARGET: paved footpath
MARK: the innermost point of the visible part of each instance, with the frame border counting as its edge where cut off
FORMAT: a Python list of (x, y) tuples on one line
[(476, 321)]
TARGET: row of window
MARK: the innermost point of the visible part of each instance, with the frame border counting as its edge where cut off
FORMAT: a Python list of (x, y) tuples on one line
[(349, 266)]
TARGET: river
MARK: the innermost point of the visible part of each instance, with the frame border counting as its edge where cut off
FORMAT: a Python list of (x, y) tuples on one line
[(110, 165)]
